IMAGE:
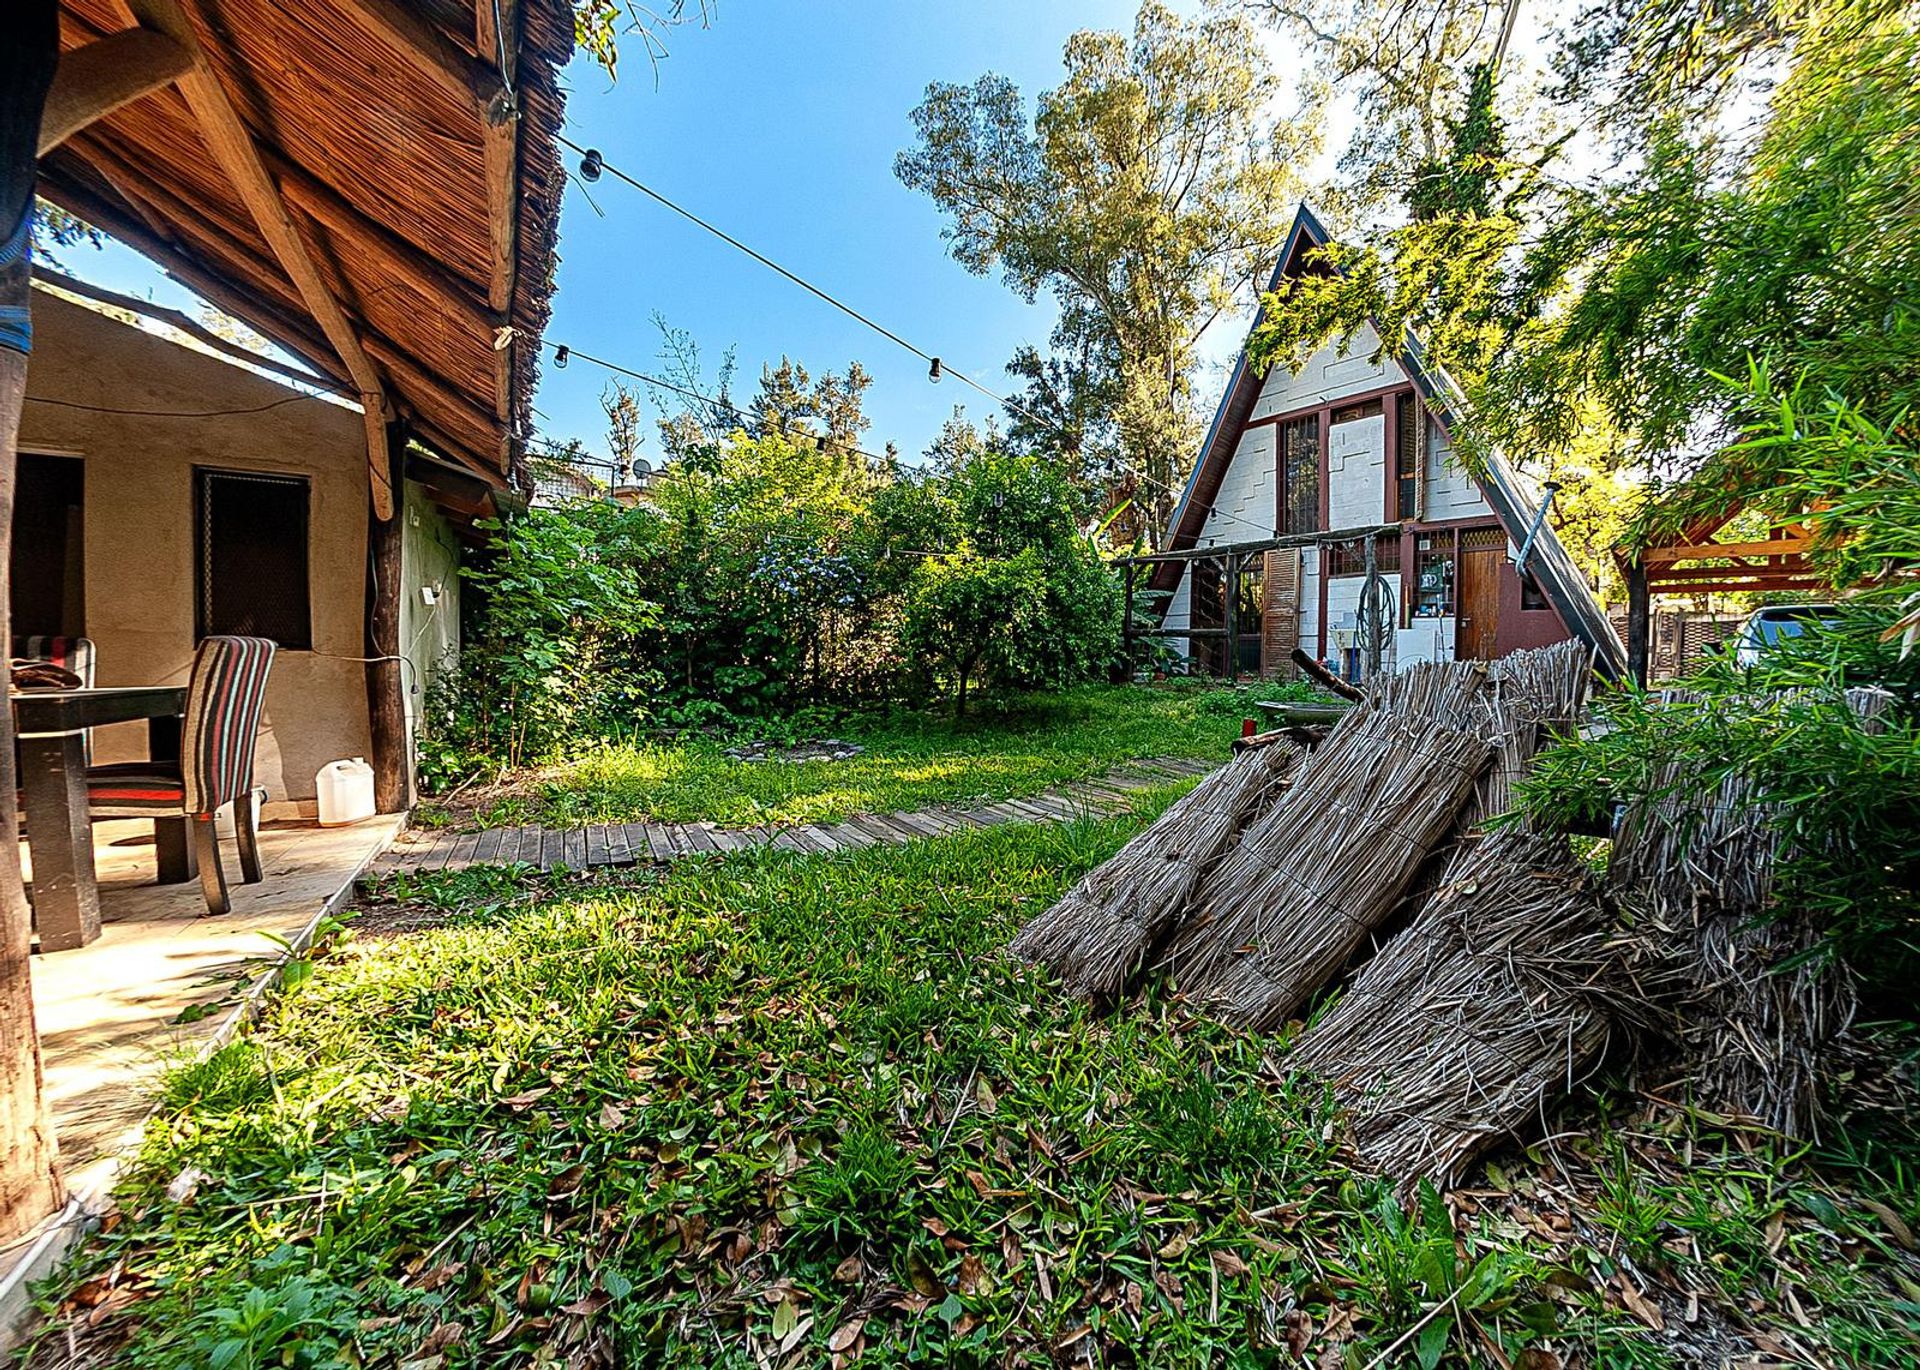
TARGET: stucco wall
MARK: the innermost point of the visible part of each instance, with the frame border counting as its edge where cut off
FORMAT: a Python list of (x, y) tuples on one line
[(139, 522)]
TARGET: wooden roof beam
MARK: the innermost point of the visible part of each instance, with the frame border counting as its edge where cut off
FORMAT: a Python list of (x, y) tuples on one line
[(411, 375), (1700, 551), (97, 78), (233, 147), (297, 336), (500, 148), (332, 211), (471, 82)]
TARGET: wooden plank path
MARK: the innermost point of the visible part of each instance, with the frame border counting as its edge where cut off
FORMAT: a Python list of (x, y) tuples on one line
[(630, 844)]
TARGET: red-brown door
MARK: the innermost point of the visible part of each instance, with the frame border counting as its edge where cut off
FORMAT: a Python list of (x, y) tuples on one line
[(1477, 635)]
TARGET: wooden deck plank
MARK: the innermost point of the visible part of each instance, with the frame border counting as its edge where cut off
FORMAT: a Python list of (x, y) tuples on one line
[(638, 843), (618, 852), (576, 849), (851, 837), (487, 851), (940, 823), (460, 855), (657, 844), (596, 837), (920, 825), (678, 839), (700, 835)]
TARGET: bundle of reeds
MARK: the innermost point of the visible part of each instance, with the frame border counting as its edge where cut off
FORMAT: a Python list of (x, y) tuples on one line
[(1102, 931), (1503, 992), (1762, 1014), (1327, 865), (1533, 695)]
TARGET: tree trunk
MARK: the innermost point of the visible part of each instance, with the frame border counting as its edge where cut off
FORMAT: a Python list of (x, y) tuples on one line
[(386, 690), (30, 1185), (1639, 627)]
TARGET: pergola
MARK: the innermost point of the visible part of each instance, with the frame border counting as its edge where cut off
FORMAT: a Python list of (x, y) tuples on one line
[(1693, 562), (375, 186)]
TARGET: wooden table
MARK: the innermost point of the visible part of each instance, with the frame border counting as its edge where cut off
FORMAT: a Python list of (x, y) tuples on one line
[(52, 726)]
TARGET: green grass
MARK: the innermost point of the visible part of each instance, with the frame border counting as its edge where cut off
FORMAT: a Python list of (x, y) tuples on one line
[(1007, 749), (778, 1108)]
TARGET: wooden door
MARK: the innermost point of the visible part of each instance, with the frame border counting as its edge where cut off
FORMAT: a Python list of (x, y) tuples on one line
[(1477, 634), (1280, 612)]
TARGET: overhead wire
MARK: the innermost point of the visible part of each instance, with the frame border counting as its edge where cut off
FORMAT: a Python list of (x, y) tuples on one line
[(939, 366), (686, 392)]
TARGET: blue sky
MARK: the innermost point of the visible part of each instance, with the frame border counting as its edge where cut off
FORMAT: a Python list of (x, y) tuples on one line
[(780, 124)]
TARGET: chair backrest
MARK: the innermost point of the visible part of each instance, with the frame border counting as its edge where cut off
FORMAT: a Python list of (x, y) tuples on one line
[(69, 653), (225, 694)]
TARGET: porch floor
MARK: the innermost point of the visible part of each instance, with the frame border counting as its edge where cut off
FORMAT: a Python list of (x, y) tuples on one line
[(110, 1014)]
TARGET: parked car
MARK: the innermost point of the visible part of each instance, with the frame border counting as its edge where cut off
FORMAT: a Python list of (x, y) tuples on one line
[(1766, 628)]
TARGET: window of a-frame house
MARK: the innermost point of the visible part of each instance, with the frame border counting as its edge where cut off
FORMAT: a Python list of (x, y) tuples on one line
[(1407, 455), (251, 555), (1300, 475)]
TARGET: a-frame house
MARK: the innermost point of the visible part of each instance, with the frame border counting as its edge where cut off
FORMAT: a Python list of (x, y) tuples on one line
[(1300, 471)]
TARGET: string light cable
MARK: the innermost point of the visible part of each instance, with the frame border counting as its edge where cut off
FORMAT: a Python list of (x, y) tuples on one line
[(593, 163)]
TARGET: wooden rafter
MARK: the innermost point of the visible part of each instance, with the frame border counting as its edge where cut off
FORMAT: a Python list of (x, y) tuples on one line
[(496, 32), (1699, 551), (474, 83), (410, 374), (233, 147), (99, 77)]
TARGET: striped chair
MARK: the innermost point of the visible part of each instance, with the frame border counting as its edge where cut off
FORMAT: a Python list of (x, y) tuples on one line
[(225, 694)]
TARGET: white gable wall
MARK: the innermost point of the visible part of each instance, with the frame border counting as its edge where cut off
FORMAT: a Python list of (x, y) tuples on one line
[(1328, 375), (1357, 472), (1356, 492), (1451, 492)]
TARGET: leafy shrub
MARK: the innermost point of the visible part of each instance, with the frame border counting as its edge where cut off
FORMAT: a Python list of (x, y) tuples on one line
[(1845, 795), (551, 662), (766, 579)]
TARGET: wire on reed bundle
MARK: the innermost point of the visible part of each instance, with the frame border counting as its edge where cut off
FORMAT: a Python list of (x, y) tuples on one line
[(1105, 927), (1506, 989), (1326, 866)]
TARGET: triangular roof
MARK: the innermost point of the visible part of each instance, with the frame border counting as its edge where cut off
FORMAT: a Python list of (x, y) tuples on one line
[(1512, 498)]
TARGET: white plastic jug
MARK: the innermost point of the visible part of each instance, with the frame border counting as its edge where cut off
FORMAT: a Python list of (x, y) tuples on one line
[(346, 792)]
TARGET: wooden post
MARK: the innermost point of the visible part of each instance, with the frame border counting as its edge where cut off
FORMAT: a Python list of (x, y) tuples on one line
[(1638, 624), (1231, 615), (386, 690), (1126, 624), (30, 1184)]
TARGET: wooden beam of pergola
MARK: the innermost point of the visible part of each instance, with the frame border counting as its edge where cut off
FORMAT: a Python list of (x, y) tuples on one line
[(409, 373), (497, 31), (1701, 551), (1677, 575), (233, 147)]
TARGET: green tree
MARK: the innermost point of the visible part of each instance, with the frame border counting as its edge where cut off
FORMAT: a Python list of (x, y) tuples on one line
[(1147, 192), (1015, 595), (791, 403)]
